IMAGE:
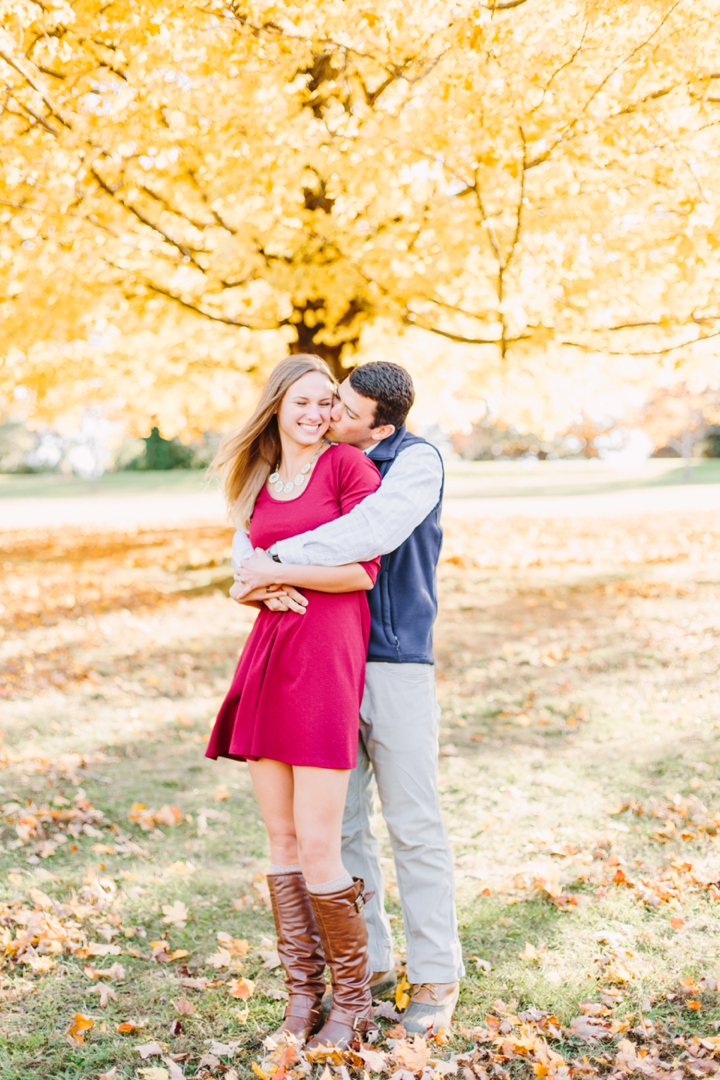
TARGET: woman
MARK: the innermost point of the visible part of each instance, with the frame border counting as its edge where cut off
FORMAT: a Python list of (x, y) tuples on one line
[(292, 710)]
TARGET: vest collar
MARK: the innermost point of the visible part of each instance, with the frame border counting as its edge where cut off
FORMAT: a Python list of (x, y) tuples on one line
[(388, 448)]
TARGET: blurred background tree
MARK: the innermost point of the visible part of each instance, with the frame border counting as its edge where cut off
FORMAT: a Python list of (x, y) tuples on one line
[(188, 192)]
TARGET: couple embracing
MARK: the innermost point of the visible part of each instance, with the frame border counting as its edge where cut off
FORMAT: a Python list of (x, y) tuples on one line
[(333, 698)]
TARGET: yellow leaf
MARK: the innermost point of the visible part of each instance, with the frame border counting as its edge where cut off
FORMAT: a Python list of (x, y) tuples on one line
[(78, 1026), (242, 988), (402, 995)]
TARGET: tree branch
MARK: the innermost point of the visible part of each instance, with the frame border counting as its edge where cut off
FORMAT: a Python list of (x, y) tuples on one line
[(184, 250), (198, 310), (640, 352), (410, 319), (24, 68)]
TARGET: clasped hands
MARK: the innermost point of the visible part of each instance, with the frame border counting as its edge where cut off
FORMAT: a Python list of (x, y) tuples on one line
[(257, 582)]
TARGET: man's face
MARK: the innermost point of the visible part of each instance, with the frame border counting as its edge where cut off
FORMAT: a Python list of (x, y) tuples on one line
[(352, 418)]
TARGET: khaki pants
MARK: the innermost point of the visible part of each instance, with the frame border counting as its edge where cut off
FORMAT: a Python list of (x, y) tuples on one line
[(397, 759)]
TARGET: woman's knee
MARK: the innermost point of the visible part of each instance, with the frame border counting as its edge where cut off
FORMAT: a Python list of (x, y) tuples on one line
[(317, 848), (284, 844)]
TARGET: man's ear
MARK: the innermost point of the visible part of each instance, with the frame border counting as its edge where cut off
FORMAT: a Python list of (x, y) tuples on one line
[(377, 434)]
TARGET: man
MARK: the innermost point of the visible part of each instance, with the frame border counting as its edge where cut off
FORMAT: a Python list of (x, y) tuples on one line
[(399, 715)]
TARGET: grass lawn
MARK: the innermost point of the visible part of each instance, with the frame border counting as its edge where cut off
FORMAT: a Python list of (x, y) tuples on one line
[(466, 479), (577, 671)]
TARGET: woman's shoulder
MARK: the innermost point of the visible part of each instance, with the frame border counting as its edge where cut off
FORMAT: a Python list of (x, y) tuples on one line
[(346, 458)]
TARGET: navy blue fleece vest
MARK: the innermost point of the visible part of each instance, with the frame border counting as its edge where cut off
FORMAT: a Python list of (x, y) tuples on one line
[(403, 604)]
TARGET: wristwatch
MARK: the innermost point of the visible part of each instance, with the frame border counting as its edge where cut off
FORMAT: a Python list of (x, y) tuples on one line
[(273, 554)]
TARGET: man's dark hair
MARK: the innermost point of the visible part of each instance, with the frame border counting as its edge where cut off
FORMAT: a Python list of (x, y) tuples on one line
[(389, 386)]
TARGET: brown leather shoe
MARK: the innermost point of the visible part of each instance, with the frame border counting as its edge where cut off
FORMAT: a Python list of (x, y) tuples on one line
[(300, 951), (431, 1007), (340, 920)]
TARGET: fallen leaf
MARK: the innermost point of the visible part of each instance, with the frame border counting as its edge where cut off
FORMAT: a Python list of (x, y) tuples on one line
[(176, 914), (277, 995), (375, 1060), (151, 1049), (115, 971), (237, 947), (209, 1061), (694, 1005), (108, 1075), (184, 1007), (677, 923), (154, 1073), (101, 948), (106, 994), (195, 984), (413, 1056), (402, 994), (221, 793), (78, 1026), (224, 1049), (222, 958), (126, 1028), (242, 988), (626, 1056), (271, 958), (176, 1072), (589, 1028)]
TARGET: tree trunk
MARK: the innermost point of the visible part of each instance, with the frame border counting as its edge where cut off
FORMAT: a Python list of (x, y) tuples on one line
[(306, 338), (329, 353)]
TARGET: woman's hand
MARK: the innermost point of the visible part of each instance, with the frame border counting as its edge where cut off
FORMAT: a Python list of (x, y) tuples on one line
[(287, 599), (275, 597), (259, 571)]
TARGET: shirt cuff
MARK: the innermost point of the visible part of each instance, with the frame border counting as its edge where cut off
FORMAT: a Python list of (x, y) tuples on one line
[(289, 551)]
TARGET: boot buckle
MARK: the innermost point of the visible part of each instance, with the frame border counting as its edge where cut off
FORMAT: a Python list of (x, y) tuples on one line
[(363, 899)]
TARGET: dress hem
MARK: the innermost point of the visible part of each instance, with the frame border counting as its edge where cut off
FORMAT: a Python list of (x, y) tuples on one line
[(283, 761)]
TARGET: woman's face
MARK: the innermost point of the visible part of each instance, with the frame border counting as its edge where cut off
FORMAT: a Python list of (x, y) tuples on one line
[(304, 413)]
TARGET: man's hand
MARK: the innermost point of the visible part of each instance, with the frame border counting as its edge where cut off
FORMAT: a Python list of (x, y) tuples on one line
[(259, 571)]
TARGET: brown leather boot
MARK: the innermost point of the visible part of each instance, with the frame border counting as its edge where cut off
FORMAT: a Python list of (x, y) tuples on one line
[(340, 920), (300, 950)]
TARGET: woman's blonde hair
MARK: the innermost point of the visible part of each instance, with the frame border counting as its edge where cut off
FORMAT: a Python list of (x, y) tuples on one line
[(245, 459)]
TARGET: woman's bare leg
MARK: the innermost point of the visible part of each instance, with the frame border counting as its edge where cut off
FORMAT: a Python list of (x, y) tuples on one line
[(274, 787), (318, 805), (302, 808)]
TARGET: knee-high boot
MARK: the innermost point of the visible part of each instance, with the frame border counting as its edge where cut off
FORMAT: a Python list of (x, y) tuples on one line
[(300, 951), (341, 922)]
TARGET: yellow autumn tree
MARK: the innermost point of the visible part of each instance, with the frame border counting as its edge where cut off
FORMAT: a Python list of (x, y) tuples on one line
[(186, 192)]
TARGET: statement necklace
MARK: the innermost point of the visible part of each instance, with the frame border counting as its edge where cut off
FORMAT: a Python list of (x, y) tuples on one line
[(279, 485)]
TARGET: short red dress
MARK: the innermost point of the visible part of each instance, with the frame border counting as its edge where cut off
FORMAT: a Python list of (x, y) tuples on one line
[(298, 685)]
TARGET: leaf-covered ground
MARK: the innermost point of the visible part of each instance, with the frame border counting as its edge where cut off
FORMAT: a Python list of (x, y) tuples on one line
[(577, 666)]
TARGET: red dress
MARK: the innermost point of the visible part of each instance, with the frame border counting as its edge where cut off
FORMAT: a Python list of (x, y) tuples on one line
[(298, 685)]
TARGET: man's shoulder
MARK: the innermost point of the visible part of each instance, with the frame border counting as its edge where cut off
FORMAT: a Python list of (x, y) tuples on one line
[(419, 451)]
